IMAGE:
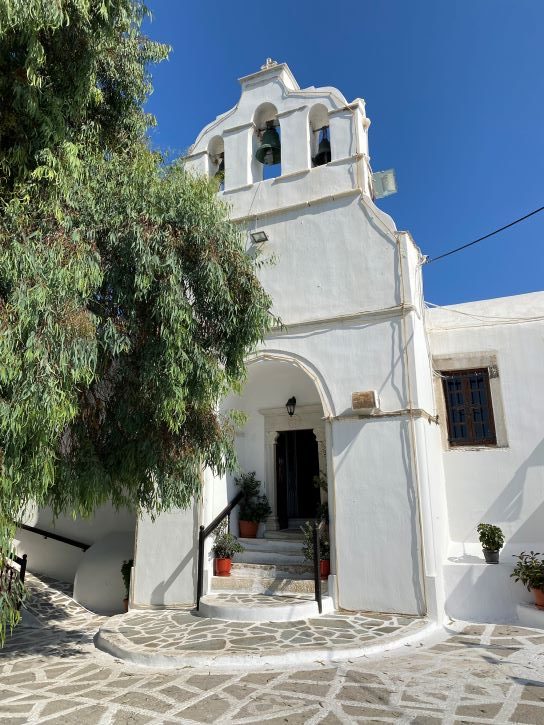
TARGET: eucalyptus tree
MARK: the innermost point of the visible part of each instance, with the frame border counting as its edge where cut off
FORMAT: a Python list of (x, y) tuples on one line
[(127, 302)]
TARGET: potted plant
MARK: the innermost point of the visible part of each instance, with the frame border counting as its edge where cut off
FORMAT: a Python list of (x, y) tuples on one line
[(492, 541), (530, 572), (254, 507), (324, 547), (225, 545), (126, 569)]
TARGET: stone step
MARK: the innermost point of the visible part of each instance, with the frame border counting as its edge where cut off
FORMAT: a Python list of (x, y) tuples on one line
[(275, 545), (286, 535), (265, 585), (262, 607), (283, 571), (270, 551), (253, 556)]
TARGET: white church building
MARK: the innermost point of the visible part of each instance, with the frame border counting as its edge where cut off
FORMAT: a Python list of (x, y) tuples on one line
[(423, 422)]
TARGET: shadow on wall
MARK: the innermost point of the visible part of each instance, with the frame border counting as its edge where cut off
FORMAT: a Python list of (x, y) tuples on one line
[(508, 505), (415, 533), (341, 451), (190, 559), (483, 592)]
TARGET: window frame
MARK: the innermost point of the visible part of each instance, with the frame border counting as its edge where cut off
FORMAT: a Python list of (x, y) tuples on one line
[(470, 441)]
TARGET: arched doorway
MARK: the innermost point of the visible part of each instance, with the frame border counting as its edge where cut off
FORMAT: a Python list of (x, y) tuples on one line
[(287, 452)]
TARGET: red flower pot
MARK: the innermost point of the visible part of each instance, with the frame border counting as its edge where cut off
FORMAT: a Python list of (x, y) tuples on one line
[(222, 567), (539, 598), (325, 568), (248, 529)]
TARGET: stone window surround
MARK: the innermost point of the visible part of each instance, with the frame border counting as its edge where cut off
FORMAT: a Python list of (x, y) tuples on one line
[(468, 361), (276, 420)]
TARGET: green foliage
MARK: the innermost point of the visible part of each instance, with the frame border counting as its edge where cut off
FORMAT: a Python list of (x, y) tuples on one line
[(127, 302), (72, 73), (254, 506), (308, 545), (322, 508), (529, 570), (12, 592), (126, 569), (225, 544), (491, 537), (123, 324)]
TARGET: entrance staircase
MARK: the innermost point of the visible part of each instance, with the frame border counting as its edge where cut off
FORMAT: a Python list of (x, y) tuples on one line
[(269, 581)]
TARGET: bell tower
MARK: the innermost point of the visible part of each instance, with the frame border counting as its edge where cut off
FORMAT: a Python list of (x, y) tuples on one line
[(347, 288), (276, 123)]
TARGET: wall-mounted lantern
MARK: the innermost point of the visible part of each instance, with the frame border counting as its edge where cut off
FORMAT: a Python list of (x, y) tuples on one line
[(291, 405)]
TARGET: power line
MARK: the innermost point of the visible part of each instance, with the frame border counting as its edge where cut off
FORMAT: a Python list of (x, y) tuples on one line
[(480, 239)]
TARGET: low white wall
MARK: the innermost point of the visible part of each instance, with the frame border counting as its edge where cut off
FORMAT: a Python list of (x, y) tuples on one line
[(98, 584), (56, 559), (480, 592)]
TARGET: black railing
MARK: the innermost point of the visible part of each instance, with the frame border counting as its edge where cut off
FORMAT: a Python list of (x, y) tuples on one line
[(203, 535), (9, 574), (52, 535), (316, 534)]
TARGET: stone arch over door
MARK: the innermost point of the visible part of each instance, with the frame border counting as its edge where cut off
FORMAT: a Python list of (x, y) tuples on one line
[(307, 367)]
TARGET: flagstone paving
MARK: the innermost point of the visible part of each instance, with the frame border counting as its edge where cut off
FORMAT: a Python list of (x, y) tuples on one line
[(468, 674), (178, 637)]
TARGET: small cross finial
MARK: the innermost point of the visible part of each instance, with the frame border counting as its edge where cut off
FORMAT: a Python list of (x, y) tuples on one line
[(269, 63)]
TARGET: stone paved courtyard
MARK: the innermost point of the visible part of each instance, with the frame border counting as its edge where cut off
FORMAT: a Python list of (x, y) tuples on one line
[(468, 674), (178, 637)]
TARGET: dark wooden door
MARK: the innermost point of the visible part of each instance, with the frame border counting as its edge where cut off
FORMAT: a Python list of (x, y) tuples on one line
[(297, 464)]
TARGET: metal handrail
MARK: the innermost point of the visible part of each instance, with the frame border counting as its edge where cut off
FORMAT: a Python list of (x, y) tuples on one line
[(316, 532), (52, 535), (203, 534)]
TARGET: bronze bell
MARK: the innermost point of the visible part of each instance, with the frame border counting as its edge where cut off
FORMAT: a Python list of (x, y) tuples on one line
[(220, 173), (269, 152), (323, 155)]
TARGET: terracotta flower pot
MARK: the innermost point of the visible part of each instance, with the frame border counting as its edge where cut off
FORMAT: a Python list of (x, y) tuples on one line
[(539, 598), (248, 529), (222, 567), (325, 568)]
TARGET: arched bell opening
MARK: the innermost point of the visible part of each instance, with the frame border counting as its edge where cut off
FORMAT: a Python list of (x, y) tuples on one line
[(216, 161), (320, 144), (266, 160)]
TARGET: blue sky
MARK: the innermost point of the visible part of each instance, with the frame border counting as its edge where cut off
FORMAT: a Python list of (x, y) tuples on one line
[(454, 90)]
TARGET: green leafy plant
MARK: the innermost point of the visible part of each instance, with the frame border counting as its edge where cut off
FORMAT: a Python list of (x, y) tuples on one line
[(225, 544), (322, 508), (308, 545), (254, 506), (127, 301), (491, 537), (126, 569), (529, 570), (12, 596)]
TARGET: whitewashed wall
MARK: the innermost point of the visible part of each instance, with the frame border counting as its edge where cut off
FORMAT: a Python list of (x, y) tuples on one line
[(502, 485)]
